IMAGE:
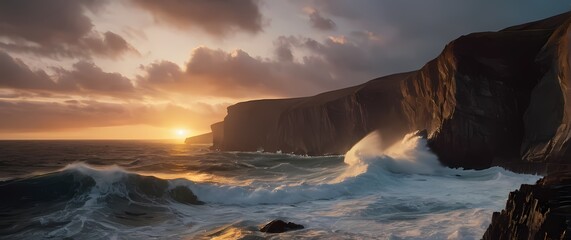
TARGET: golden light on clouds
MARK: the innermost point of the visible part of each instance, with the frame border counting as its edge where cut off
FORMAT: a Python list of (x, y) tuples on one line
[(159, 71)]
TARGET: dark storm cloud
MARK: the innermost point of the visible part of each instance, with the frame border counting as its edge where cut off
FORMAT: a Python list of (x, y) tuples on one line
[(217, 17), (56, 28), (343, 54), (44, 21), (88, 77), (319, 22), (110, 44), (17, 75), (84, 78), (347, 60), (416, 32)]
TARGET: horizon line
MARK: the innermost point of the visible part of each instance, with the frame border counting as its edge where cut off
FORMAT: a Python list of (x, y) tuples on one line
[(86, 139)]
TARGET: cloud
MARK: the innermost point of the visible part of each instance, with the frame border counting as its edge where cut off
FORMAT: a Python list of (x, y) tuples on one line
[(319, 22), (342, 54), (84, 78), (38, 116), (302, 66), (213, 16), (44, 22), (416, 33), (56, 28), (350, 59), (233, 74), (109, 44), (283, 48), (16, 74), (30, 116)]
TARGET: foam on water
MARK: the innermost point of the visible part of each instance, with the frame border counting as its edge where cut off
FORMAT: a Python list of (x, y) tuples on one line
[(396, 192), (410, 155)]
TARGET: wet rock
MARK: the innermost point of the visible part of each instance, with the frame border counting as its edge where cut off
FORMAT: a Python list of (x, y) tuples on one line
[(184, 195), (540, 211), (279, 226)]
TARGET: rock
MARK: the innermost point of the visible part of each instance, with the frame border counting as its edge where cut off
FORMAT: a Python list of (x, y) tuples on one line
[(491, 98), (540, 211), (217, 135), (184, 195), (200, 139), (548, 117), (279, 226), (479, 100), (328, 123)]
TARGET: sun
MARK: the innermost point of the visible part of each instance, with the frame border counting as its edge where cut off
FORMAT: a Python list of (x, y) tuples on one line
[(181, 132)]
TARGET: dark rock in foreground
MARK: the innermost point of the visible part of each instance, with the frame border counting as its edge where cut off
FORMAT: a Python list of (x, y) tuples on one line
[(279, 226), (540, 211)]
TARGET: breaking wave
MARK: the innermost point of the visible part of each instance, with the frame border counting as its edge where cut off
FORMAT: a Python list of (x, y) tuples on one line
[(106, 202)]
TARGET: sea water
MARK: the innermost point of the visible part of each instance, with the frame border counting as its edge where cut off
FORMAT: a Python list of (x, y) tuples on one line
[(126, 190)]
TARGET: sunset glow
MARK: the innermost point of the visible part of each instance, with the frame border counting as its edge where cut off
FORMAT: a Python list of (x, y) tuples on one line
[(181, 133), (132, 69), (285, 119)]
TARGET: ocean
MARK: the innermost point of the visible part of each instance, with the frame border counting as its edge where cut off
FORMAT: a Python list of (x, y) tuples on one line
[(169, 190)]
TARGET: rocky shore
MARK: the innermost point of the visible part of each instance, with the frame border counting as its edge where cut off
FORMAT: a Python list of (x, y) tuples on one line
[(540, 211), (489, 99)]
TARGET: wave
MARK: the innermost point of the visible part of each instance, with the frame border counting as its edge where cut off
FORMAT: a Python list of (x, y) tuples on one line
[(411, 155), (80, 179), (80, 189), (385, 183), (369, 167)]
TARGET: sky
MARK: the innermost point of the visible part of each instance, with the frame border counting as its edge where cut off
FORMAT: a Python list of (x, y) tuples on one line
[(147, 69)]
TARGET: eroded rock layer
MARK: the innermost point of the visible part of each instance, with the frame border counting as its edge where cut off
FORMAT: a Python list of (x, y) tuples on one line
[(540, 211), (491, 98)]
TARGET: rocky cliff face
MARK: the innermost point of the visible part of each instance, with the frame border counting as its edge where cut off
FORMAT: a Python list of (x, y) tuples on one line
[(491, 98), (483, 98), (540, 211), (548, 117), (217, 135), (199, 139), (328, 123)]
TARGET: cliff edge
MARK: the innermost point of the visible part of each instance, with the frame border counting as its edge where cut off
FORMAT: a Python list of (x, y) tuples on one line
[(491, 98)]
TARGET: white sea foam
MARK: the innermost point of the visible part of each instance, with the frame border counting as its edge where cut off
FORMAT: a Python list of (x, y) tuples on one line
[(388, 192), (410, 155), (370, 169)]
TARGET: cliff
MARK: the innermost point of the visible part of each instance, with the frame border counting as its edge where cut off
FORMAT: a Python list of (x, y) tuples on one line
[(496, 97), (491, 98), (540, 211), (199, 139), (217, 135), (328, 123)]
